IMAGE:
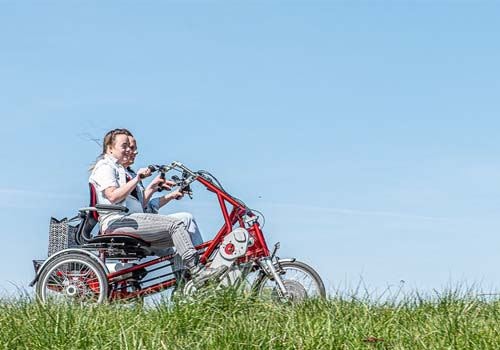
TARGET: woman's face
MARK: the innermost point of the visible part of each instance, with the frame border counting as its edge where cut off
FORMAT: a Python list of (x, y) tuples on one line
[(133, 150), (120, 149)]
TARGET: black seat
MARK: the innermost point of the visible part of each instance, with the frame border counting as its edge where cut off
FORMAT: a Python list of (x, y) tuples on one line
[(119, 238), (124, 243)]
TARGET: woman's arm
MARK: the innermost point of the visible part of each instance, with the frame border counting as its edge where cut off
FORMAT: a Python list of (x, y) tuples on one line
[(154, 186), (168, 197), (117, 194), (156, 203)]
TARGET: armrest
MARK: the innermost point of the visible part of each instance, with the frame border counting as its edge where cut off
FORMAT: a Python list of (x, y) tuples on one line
[(104, 207), (111, 207)]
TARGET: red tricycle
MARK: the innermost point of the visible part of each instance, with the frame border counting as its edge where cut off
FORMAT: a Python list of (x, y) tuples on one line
[(83, 272)]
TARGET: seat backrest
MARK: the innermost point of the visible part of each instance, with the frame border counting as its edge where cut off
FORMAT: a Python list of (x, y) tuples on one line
[(84, 232), (89, 221), (93, 200)]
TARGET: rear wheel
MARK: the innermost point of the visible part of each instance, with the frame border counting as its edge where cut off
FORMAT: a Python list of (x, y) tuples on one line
[(73, 277), (301, 282)]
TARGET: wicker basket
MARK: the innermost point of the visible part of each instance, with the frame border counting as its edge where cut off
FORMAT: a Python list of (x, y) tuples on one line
[(61, 235)]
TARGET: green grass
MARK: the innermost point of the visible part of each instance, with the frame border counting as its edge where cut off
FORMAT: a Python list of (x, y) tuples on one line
[(232, 321)]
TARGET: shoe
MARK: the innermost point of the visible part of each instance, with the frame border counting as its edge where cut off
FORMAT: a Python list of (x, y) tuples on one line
[(201, 275)]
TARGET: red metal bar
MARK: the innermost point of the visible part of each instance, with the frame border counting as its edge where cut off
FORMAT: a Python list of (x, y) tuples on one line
[(224, 210), (140, 266), (224, 230), (157, 287), (217, 190), (149, 290), (260, 237)]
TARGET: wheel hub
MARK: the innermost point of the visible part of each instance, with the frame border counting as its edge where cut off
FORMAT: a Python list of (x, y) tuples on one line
[(71, 290), (295, 290)]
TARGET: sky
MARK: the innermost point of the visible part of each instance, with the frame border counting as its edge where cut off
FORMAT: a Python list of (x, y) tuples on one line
[(365, 131)]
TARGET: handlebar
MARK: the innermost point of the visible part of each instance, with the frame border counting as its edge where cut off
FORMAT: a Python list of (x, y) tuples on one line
[(188, 176)]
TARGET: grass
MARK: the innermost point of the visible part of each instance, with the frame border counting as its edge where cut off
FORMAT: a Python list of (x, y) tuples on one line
[(230, 320)]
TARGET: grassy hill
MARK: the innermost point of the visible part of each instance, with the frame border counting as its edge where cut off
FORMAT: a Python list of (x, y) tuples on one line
[(232, 321)]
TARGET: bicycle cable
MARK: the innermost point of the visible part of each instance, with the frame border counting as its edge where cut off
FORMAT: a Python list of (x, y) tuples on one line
[(204, 172)]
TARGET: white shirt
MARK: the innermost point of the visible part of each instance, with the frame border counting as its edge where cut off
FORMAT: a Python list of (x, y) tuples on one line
[(109, 173), (153, 206)]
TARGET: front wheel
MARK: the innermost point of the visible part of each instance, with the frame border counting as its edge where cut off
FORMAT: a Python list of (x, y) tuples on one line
[(73, 277), (301, 282)]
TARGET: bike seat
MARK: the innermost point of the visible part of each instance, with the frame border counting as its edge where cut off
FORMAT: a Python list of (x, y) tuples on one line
[(119, 238)]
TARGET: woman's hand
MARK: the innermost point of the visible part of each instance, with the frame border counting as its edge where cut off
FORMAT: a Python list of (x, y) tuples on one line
[(177, 194), (159, 183), (174, 195), (143, 173)]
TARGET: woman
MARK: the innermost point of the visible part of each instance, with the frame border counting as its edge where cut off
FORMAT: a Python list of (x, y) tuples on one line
[(109, 178)]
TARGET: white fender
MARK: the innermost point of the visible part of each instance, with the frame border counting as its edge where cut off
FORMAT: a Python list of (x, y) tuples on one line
[(69, 251)]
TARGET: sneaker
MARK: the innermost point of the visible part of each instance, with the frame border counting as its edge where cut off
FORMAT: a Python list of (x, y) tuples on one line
[(201, 275)]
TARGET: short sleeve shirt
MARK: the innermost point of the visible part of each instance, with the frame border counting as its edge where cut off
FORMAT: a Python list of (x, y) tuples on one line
[(109, 173)]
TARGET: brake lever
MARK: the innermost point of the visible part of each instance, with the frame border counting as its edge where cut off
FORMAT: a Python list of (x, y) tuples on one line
[(186, 189)]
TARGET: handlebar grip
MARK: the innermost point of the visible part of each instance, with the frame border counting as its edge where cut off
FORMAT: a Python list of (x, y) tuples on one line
[(152, 168), (162, 176)]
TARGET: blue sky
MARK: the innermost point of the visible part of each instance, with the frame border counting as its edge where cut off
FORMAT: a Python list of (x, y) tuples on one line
[(366, 132)]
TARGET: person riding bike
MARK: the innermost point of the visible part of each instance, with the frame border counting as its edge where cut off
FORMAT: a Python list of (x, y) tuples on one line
[(153, 205), (109, 177)]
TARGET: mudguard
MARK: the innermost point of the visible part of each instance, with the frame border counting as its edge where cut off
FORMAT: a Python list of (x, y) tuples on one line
[(64, 252)]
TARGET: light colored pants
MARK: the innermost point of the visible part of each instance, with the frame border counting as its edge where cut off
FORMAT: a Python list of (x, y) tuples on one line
[(163, 232), (191, 226), (194, 232)]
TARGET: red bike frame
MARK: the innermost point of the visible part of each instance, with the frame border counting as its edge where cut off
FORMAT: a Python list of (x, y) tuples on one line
[(256, 250)]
